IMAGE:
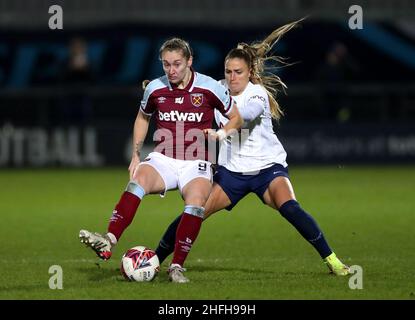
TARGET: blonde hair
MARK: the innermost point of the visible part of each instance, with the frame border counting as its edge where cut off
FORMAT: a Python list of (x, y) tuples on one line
[(256, 56)]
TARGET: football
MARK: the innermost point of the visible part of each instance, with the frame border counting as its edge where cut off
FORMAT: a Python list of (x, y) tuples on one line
[(140, 264)]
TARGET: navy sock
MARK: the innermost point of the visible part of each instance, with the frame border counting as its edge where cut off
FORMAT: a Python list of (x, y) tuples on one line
[(306, 226), (167, 242)]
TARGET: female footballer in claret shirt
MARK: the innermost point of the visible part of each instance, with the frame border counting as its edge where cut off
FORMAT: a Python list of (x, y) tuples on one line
[(183, 103)]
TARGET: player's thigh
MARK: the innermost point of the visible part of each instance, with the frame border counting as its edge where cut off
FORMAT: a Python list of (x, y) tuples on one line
[(195, 181), (279, 191), (217, 200), (149, 178)]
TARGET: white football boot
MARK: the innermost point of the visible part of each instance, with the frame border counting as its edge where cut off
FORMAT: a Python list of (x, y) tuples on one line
[(100, 244), (176, 273)]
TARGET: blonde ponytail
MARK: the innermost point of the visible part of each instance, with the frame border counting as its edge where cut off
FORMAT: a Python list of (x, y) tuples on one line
[(256, 56)]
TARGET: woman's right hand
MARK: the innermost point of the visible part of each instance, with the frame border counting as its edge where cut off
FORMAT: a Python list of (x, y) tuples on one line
[(135, 161)]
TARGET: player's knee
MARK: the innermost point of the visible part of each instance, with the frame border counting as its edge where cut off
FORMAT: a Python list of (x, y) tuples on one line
[(196, 211), (165, 245), (147, 178), (289, 208), (197, 198), (140, 179), (144, 181)]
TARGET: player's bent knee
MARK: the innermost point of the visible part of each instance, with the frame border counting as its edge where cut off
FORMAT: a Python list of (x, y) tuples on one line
[(196, 211), (289, 207), (147, 183), (148, 177), (196, 198)]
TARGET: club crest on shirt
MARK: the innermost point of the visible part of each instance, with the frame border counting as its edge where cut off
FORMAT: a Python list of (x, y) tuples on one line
[(196, 99)]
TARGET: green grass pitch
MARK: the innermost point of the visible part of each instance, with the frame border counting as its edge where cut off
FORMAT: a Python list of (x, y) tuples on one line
[(367, 214)]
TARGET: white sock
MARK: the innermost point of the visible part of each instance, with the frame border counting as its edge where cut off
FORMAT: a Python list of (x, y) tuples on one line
[(112, 238)]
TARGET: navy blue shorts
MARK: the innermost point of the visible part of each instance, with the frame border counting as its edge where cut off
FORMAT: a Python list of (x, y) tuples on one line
[(238, 185)]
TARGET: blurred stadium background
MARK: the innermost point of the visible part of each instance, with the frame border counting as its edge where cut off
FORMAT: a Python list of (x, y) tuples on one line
[(350, 97)]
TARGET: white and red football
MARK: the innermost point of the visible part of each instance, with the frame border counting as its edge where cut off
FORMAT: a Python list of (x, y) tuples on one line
[(140, 264)]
